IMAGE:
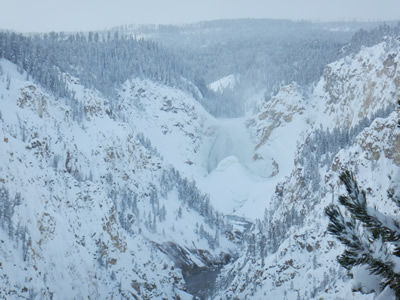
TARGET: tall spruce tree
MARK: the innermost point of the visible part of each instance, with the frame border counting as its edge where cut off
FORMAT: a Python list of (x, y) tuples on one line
[(372, 239)]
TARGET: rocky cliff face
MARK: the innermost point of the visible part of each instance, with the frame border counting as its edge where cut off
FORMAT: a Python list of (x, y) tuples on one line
[(358, 86)]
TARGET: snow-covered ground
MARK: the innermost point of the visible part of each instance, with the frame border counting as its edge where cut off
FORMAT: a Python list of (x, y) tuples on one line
[(227, 82)]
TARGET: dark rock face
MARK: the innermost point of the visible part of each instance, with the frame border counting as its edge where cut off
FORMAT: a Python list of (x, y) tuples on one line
[(201, 282)]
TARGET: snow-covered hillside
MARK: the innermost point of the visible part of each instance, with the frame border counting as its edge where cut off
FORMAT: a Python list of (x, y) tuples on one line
[(90, 200), (289, 254), (175, 123)]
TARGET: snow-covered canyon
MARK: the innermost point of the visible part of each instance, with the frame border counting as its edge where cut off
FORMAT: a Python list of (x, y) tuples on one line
[(146, 195)]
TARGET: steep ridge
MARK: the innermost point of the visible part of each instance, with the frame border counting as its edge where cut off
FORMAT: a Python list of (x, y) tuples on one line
[(358, 86), (278, 127), (352, 124), (175, 123)]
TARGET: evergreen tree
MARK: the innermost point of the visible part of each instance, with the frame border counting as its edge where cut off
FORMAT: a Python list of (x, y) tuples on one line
[(372, 240)]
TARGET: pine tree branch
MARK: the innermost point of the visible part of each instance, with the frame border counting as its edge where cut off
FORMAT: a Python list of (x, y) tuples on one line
[(369, 247), (356, 203)]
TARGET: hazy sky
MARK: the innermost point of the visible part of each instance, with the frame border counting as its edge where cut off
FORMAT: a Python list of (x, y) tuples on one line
[(68, 15)]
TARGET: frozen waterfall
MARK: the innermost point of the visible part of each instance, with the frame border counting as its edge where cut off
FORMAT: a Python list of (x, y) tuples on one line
[(232, 139)]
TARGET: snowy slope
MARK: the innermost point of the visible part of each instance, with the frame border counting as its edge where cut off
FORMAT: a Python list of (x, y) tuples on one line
[(289, 254), (173, 120), (356, 87), (278, 127), (304, 263), (227, 82), (84, 200)]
